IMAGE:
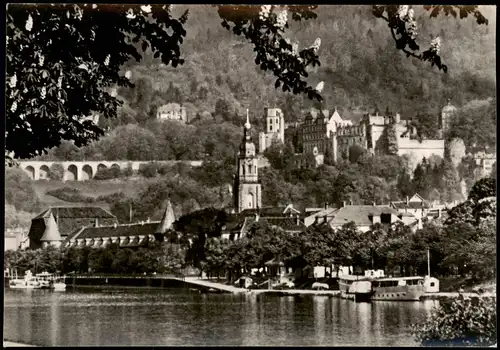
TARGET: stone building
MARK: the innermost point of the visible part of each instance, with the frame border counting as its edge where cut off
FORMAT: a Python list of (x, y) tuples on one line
[(484, 163), (275, 129), (371, 135), (126, 235), (172, 111), (447, 114), (247, 189), (56, 223)]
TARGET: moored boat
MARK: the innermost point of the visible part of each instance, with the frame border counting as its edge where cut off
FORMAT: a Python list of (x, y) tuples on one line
[(357, 288), (28, 282), (398, 288), (50, 281)]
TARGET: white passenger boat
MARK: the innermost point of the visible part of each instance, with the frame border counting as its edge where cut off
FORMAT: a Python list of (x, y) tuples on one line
[(51, 281), (398, 288), (357, 288)]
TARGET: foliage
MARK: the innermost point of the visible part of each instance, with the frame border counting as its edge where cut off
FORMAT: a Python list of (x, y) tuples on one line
[(404, 28), (69, 194), (36, 33), (461, 322), (19, 190), (482, 189), (475, 124), (56, 172), (107, 173), (149, 169), (355, 151), (16, 218), (392, 140)]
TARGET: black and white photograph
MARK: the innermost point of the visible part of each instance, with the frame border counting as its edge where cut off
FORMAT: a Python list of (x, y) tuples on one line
[(250, 175)]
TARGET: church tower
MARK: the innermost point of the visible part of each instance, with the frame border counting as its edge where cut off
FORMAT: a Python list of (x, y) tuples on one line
[(247, 194)]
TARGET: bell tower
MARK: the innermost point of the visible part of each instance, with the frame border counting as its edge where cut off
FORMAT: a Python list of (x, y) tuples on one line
[(247, 194)]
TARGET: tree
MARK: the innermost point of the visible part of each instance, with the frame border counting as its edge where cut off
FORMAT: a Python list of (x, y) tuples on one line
[(461, 322), (355, 152), (19, 190), (404, 28), (56, 172), (427, 125), (482, 189)]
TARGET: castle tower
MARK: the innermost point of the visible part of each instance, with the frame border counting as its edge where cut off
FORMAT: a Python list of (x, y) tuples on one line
[(276, 123), (447, 114), (247, 193), (167, 220), (51, 235)]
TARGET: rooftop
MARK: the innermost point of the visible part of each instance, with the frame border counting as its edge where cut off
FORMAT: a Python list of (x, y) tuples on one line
[(75, 212), (360, 214)]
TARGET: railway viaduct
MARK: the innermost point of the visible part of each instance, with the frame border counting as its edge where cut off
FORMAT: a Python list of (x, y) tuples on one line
[(85, 170)]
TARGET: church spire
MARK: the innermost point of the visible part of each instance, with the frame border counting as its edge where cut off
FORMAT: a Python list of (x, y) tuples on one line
[(247, 124)]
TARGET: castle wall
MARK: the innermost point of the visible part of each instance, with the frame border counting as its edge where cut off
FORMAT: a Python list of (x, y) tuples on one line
[(418, 150)]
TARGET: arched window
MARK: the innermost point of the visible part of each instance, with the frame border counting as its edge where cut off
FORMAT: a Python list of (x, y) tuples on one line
[(249, 168)]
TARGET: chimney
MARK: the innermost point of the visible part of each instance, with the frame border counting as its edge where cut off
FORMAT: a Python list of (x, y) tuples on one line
[(149, 219), (298, 221), (407, 200), (343, 204), (257, 216), (326, 205), (96, 224), (142, 223), (374, 204), (115, 225)]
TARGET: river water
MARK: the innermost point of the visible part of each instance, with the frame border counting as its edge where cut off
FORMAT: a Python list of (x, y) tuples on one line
[(91, 316)]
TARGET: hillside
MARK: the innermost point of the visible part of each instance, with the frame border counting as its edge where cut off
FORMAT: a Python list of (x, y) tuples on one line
[(360, 66)]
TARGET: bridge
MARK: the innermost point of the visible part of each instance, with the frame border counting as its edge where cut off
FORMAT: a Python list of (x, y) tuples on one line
[(86, 170)]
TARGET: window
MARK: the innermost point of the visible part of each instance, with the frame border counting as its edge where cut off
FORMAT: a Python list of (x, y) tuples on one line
[(432, 284), (249, 169), (270, 127)]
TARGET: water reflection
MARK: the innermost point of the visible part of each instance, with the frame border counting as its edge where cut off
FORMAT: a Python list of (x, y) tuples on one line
[(172, 317)]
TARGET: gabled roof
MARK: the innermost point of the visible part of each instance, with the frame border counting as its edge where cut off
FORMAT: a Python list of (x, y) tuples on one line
[(137, 229), (75, 212), (360, 214), (288, 224), (51, 232)]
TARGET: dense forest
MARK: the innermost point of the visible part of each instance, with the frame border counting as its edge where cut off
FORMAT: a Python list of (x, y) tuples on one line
[(361, 70)]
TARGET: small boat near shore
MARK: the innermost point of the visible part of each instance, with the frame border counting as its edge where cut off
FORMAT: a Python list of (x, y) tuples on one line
[(357, 288), (28, 282), (51, 281)]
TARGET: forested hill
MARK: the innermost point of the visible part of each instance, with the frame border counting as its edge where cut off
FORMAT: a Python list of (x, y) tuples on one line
[(360, 67)]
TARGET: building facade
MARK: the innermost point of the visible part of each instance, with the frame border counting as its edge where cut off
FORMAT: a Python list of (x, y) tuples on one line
[(247, 189), (371, 134), (447, 114), (172, 111), (275, 129), (56, 223)]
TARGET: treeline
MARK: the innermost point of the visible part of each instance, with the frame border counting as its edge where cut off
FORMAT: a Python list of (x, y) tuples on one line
[(159, 257)]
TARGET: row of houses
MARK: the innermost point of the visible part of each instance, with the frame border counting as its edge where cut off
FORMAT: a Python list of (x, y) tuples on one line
[(96, 227)]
